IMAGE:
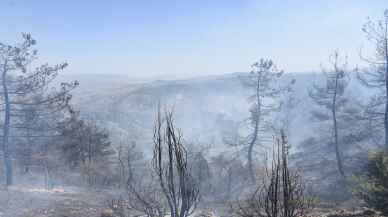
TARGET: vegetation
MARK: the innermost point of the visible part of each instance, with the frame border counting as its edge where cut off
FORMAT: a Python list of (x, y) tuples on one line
[(262, 80), (170, 187), (376, 76), (282, 193), (20, 86), (373, 187), (116, 156), (171, 167)]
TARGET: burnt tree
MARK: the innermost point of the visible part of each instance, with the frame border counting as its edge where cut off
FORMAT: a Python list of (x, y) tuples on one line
[(282, 193), (172, 169)]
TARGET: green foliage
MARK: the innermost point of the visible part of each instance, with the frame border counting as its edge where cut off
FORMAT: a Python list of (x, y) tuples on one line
[(373, 187), (84, 143)]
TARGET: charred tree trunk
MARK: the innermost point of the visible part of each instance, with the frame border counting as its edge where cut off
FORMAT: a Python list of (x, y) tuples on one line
[(386, 86), (253, 142), (250, 155), (27, 152), (335, 128), (282, 192), (172, 169), (6, 127)]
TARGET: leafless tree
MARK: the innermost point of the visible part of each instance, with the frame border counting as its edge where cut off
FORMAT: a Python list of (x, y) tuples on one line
[(376, 76), (19, 85), (168, 187), (281, 194), (171, 167), (143, 190), (144, 194)]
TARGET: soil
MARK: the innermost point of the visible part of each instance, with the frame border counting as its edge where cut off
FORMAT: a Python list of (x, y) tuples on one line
[(57, 202)]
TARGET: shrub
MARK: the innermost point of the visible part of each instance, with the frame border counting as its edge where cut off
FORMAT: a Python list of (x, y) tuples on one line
[(282, 192), (373, 187)]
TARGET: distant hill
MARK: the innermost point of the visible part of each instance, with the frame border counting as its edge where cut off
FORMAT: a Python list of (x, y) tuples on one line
[(206, 107)]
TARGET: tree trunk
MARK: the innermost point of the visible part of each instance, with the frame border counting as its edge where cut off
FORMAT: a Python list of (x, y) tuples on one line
[(250, 154), (386, 86), (229, 185), (335, 126), (386, 111), (6, 127), (256, 119), (27, 151)]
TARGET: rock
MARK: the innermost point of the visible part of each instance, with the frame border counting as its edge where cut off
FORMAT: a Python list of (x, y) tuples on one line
[(107, 213), (369, 212)]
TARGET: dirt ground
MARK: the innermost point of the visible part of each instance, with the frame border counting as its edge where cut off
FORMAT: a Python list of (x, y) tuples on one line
[(78, 202), (58, 202)]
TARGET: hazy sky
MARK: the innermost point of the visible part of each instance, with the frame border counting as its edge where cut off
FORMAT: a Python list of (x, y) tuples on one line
[(157, 37)]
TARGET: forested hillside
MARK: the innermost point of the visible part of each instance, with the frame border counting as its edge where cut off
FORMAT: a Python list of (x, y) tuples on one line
[(205, 106), (265, 141)]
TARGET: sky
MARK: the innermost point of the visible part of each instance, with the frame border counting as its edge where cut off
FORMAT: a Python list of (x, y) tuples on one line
[(143, 38)]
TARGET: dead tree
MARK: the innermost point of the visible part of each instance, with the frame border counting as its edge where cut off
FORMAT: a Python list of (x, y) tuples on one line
[(282, 192), (145, 195), (169, 186), (171, 167), (376, 76), (19, 85)]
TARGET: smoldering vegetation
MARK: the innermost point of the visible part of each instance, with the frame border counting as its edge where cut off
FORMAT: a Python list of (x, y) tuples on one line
[(264, 143)]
